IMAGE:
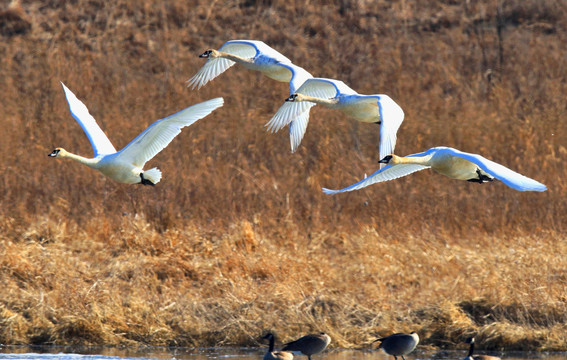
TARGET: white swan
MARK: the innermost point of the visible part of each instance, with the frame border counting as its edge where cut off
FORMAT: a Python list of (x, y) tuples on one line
[(449, 162), (335, 94), (126, 165), (253, 55)]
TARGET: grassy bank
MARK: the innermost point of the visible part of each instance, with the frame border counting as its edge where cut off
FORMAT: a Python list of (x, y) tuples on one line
[(131, 284), (237, 238)]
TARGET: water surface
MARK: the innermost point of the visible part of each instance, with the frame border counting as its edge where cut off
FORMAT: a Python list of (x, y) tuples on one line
[(101, 353)]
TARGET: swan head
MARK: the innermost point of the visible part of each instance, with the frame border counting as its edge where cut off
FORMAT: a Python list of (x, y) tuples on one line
[(56, 153), (390, 160), (470, 340), (211, 53), (294, 97)]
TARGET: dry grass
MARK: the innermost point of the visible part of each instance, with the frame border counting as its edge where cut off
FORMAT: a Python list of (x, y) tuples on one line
[(238, 238)]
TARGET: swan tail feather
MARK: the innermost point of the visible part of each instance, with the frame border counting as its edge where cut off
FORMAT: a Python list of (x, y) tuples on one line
[(153, 175)]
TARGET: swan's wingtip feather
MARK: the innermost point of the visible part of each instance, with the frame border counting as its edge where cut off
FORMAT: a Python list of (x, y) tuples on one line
[(217, 102), (330, 191)]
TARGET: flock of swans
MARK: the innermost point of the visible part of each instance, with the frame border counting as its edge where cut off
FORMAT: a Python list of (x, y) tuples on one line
[(126, 166), (306, 91)]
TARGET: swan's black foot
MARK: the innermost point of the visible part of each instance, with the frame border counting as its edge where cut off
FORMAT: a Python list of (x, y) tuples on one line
[(145, 181), (481, 178)]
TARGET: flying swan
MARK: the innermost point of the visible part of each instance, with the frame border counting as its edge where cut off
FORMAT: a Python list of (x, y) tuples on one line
[(449, 162), (253, 55), (335, 94), (126, 165)]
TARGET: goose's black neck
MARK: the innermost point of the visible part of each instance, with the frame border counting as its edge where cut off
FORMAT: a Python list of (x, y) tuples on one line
[(272, 341), (471, 349)]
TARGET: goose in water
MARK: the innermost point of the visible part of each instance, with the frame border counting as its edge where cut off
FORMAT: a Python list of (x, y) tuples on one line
[(399, 344), (470, 355), (335, 94), (309, 344), (449, 162), (275, 355), (126, 165), (253, 55)]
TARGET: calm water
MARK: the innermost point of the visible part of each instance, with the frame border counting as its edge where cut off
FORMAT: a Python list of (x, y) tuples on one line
[(78, 353)]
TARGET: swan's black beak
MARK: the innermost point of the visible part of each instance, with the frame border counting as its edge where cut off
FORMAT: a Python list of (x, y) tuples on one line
[(386, 159), (205, 54), (291, 98), (54, 153)]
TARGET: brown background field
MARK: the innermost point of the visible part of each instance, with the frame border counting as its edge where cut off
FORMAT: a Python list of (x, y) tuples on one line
[(237, 238)]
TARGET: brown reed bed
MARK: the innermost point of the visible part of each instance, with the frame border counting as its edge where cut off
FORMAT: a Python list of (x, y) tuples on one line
[(238, 238)]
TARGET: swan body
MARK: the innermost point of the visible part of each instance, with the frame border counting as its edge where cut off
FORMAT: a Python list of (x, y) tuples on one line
[(309, 344), (253, 55), (275, 355), (126, 165), (399, 344), (449, 162), (470, 355), (335, 94)]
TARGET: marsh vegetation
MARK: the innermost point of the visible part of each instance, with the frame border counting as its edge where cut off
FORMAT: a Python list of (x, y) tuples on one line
[(238, 238)]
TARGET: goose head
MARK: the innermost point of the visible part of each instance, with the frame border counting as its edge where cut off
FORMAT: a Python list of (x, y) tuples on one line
[(268, 336), (56, 153), (211, 53)]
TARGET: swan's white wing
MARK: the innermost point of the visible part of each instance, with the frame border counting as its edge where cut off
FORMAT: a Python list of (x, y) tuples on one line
[(387, 173), (216, 66), (158, 135), (391, 117), (316, 87), (264, 49), (500, 172), (298, 76), (99, 141), (288, 112), (325, 88), (297, 129)]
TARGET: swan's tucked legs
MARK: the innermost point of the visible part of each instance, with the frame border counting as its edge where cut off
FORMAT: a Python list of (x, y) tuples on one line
[(145, 181), (484, 178), (481, 178)]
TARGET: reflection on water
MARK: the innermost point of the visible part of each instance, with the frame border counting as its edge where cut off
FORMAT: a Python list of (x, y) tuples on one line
[(100, 353)]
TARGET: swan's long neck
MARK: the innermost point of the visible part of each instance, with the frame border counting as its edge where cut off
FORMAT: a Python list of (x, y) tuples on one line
[(420, 160), (83, 160), (272, 343), (233, 57), (316, 100)]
